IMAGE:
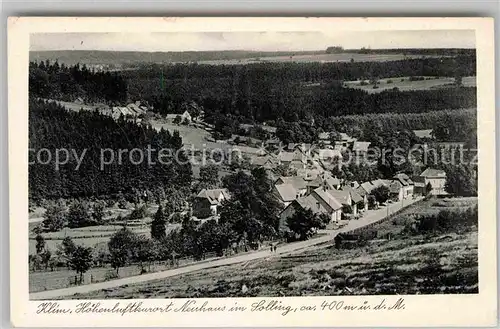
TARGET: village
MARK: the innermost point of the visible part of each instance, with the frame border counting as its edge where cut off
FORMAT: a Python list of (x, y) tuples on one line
[(309, 182), (278, 179)]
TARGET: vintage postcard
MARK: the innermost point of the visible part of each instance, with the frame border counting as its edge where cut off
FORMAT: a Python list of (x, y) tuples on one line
[(232, 171)]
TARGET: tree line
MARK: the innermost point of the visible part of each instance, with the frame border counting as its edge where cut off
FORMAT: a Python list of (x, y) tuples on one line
[(67, 83)]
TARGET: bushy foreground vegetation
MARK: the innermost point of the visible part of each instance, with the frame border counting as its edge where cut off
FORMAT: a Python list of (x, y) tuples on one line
[(422, 259)]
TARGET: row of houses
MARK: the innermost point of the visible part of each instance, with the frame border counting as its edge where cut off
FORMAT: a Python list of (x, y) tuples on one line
[(326, 194), (132, 110), (346, 200)]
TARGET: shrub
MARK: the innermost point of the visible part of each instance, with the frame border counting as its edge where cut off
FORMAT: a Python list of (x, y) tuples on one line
[(286, 279), (110, 275), (389, 81), (139, 213)]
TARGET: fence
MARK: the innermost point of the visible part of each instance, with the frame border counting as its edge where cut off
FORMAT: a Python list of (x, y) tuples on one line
[(64, 278)]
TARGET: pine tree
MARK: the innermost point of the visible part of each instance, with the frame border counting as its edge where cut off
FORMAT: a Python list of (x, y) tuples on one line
[(158, 230)]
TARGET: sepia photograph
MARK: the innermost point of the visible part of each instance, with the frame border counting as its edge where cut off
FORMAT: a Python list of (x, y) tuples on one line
[(252, 164)]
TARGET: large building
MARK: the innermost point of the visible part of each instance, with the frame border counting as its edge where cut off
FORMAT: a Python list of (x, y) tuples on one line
[(435, 177)]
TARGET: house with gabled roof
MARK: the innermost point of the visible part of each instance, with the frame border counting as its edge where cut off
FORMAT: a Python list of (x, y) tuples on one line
[(285, 157), (396, 190), (285, 193), (359, 202), (266, 161), (135, 109), (406, 183), (299, 183), (360, 148), (348, 198), (306, 202), (327, 200), (365, 188), (324, 138), (326, 154), (208, 201), (324, 179), (436, 178)]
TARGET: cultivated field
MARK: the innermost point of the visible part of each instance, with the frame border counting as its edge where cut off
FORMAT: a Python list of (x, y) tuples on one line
[(404, 84), (324, 58), (88, 236), (418, 264)]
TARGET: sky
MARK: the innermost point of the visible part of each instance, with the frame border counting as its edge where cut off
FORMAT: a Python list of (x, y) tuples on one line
[(257, 41)]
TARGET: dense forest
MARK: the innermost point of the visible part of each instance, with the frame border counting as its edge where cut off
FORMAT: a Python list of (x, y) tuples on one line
[(266, 92), (417, 51), (461, 125), (67, 83), (51, 127)]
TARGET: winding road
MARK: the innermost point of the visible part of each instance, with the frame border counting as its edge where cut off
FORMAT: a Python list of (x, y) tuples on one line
[(370, 217)]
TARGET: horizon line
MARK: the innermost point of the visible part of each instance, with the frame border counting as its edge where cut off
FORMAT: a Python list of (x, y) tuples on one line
[(244, 50)]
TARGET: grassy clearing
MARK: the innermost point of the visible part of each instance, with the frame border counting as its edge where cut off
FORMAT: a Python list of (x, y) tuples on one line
[(421, 264), (404, 84)]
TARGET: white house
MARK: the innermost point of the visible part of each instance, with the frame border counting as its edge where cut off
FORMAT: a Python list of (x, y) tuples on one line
[(436, 178), (325, 198)]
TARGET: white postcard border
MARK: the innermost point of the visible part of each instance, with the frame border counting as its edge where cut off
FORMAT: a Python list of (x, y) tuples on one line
[(431, 310)]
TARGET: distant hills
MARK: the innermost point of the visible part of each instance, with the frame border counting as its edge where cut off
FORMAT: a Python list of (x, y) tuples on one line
[(71, 57)]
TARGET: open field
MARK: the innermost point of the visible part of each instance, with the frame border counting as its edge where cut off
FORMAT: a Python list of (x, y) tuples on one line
[(90, 235), (86, 237), (323, 58), (198, 139), (208, 57), (418, 264), (404, 84)]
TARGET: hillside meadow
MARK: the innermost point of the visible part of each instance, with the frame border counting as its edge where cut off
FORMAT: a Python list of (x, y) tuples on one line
[(406, 264)]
